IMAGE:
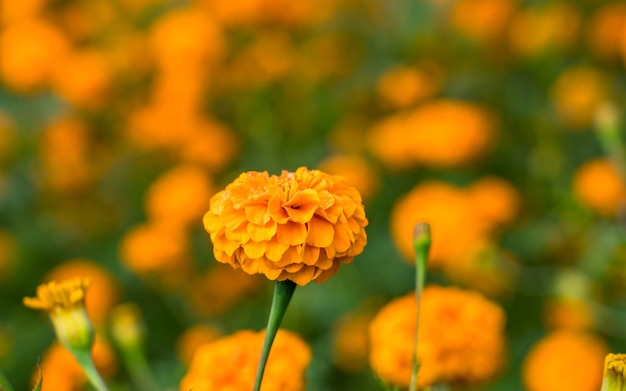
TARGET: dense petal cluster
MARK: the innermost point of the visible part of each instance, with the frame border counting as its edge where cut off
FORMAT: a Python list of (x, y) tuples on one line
[(551, 362), (299, 226), (59, 296), (230, 363), (461, 338)]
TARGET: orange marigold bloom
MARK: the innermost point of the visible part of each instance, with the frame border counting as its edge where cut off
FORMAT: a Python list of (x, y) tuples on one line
[(578, 93), (186, 37), (180, 196), (405, 86), (598, 186), (461, 338), (441, 133), (30, 50), (104, 289), (460, 218), (13, 11), (212, 145), (156, 249), (229, 363), (83, 78), (61, 371), (482, 20), (551, 362), (299, 226), (554, 25), (606, 28)]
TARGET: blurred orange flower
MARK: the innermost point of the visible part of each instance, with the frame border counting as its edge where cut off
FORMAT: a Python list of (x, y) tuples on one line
[(83, 78), (229, 363), (357, 171), (61, 371), (440, 133), (405, 86), (568, 313), (461, 338), (606, 29), (351, 340), (103, 290), (156, 249), (14, 11), (212, 145), (554, 25), (30, 51), (551, 362), (578, 93), (482, 20), (299, 226), (180, 196), (598, 186), (460, 218)]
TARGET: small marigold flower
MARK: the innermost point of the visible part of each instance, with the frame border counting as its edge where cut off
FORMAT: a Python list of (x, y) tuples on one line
[(440, 133), (605, 30), (482, 20), (598, 186), (103, 288), (461, 338), (65, 303), (405, 86), (180, 196), (614, 373), (229, 363), (551, 362), (299, 226)]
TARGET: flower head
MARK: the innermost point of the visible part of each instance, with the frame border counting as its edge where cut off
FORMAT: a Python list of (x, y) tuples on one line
[(297, 226), (551, 362), (229, 363), (461, 338), (598, 186), (65, 303)]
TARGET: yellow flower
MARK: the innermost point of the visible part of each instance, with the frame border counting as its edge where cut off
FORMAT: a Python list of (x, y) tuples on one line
[(614, 373), (229, 363), (65, 303), (461, 338), (299, 226), (551, 363), (598, 186)]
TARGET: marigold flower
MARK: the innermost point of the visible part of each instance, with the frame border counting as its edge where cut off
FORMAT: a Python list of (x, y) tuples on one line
[(29, 52), (299, 226), (156, 249), (405, 86), (461, 338), (229, 363), (598, 186), (13, 11), (554, 25), (578, 93), (551, 362), (83, 78), (65, 303), (482, 20), (614, 373), (460, 218), (442, 133), (180, 196), (605, 30), (213, 145), (103, 288)]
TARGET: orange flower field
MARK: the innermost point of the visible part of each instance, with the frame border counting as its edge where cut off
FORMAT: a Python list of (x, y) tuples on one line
[(312, 195)]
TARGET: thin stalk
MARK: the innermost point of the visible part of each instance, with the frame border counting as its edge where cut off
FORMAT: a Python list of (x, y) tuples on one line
[(421, 245), (86, 362), (283, 291), (138, 368)]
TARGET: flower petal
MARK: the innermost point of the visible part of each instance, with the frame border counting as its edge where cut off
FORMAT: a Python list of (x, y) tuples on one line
[(291, 233)]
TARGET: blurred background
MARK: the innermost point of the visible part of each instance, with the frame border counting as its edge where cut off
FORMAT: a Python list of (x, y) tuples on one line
[(495, 120)]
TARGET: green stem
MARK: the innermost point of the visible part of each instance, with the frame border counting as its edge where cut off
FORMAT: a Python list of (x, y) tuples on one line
[(283, 291), (421, 245), (138, 368), (5, 385), (86, 362)]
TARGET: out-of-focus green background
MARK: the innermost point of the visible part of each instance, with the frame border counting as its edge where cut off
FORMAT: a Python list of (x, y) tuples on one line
[(117, 117)]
